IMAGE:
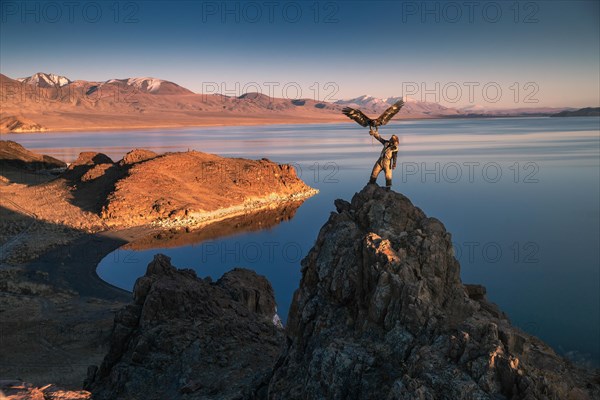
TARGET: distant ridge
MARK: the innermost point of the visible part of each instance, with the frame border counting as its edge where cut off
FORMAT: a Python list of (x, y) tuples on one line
[(582, 112)]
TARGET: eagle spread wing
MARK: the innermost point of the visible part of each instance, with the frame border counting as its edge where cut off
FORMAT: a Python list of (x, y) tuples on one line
[(383, 119), (389, 113), (358, 116)]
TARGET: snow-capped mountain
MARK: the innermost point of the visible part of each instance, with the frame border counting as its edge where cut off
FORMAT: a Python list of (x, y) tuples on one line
[(412, 107), (140, 84), (42, 79), (151, 85), (473, 108), (365, 101)]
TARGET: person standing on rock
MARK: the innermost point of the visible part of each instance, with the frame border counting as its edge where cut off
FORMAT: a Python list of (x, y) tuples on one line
[(387, 159)]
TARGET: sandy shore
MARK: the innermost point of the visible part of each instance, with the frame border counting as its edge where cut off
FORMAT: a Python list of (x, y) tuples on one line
[(71, 122)]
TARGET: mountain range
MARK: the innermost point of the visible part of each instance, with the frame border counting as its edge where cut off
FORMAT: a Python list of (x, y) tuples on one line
[(51, 102)]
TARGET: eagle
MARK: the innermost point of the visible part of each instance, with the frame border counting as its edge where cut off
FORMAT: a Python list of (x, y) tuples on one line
[(373, 124)]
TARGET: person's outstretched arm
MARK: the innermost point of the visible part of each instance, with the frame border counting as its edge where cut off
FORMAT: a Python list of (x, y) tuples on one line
[(375, 134)]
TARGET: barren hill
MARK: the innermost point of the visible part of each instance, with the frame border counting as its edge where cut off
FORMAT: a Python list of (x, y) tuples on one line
[(142, 103), (188, 189)]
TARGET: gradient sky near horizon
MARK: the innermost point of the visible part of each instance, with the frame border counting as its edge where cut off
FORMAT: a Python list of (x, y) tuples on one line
[(494, 54)]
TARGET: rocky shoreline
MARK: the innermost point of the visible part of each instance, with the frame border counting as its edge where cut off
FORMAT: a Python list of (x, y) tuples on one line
[(58, 223), (381, 313)]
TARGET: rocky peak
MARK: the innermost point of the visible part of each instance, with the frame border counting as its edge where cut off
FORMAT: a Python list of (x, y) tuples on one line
[(45, 80), (381, 313), (407, 263)]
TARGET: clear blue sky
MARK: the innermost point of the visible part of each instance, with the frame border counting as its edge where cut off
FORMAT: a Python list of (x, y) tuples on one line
[(550, 49)]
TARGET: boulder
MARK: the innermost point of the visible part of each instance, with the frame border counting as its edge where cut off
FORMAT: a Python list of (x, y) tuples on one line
[(90, 158)]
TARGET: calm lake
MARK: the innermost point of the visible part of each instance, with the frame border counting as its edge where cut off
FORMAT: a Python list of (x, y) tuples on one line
[(521, 197)]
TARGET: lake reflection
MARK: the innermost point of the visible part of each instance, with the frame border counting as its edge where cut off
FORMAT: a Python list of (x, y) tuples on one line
[(520, 196)]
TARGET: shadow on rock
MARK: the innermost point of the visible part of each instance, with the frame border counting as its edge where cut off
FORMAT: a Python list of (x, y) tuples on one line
[(185, 336)]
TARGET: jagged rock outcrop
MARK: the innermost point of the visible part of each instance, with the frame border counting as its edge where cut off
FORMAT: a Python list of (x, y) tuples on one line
[(88, 166), (185, 337), (381, 313)]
